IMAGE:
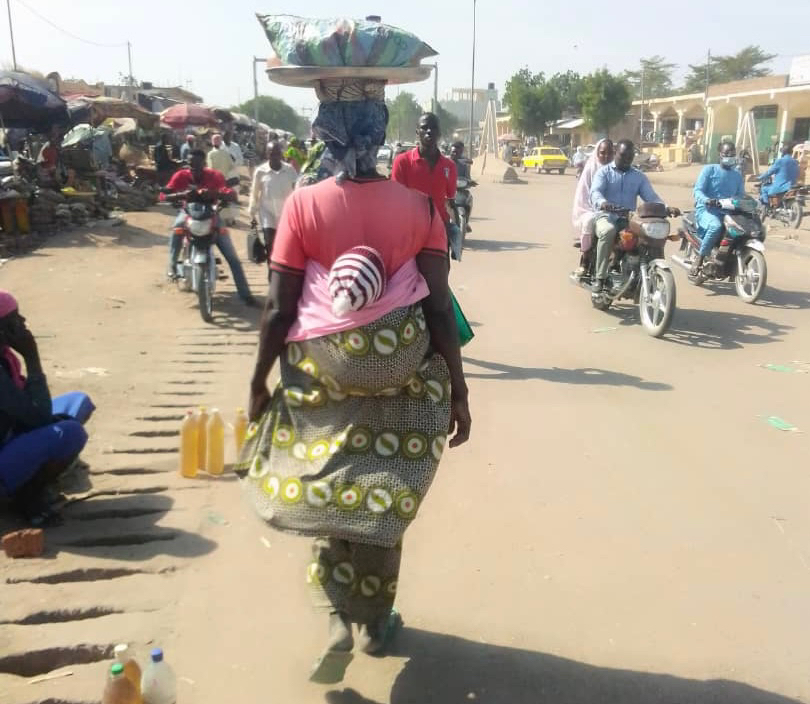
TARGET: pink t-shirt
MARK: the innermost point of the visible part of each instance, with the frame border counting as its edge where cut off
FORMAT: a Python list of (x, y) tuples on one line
[(321, 222)]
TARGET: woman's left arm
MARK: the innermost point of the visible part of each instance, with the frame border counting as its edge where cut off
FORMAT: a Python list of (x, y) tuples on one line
[(279, 315)]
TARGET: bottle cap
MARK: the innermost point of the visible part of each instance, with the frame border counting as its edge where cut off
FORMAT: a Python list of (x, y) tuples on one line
[(157, 655), (116, 669), (120, 649)]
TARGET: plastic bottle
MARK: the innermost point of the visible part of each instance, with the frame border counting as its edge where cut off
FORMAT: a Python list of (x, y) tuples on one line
[(202, 438), (119, 690), (189, 459), (215, 460), (240, 429), (132, 670), (158, 684)]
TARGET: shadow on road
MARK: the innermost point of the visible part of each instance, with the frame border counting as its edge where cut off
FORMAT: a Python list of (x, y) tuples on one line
[(443, 669), (126, 235), (789, 300), (723, 331), (558, 375), (501, 245)]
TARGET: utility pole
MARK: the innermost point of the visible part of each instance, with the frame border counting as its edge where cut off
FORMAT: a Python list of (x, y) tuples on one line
[(641, 112), (435, 87), (11, 32), (708, 64), (256, 60), (131, 79), (472, 88)]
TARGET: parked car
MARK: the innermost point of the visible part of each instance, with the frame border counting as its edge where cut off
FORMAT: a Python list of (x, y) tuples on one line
[(546, 159)]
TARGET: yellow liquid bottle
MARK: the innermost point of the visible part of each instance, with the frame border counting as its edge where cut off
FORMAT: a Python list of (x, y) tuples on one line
[(240, 429), (215, 461), (202, 438), (132, 670), (189, 453), (119, 689)]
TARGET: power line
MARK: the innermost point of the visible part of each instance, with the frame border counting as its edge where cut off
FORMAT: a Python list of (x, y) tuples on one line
[(68, 33)]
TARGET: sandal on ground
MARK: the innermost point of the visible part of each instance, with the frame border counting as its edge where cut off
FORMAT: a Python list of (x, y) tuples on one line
[(330, 667), (374, 639)]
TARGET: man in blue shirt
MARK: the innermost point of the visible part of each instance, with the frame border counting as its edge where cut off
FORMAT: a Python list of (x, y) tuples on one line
[(785, 172), (619, 185), (716, 181)]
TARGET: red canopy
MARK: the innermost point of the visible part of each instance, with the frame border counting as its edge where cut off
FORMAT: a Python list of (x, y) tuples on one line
[(189, 115)]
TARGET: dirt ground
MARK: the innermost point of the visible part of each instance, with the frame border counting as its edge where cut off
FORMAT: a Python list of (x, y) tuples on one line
[(624, 526)]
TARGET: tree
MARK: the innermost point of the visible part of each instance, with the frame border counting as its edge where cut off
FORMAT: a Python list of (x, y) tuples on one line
[(403, 117), (656, 75), (569, 87), (276, 113), (532, 102), (605, 100), (449, 122), (746, 63)]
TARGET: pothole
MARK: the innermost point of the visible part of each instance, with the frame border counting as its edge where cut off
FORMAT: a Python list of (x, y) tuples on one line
[(122, 540), (40, 662), (64, 615)]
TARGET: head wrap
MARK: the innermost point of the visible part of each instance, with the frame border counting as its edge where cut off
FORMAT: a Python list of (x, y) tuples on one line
[(8, 304), (356, 279)]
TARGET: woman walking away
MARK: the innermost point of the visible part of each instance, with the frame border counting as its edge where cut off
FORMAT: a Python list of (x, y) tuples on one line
[(39, 438), (583, 213), (360, 318)]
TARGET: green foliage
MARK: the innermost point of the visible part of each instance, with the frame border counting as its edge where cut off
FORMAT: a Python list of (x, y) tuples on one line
[(569, 86), (532, 102), (403, 117), (605, 100), (449, 122), (657, 77), (276, 113), (746, 63)]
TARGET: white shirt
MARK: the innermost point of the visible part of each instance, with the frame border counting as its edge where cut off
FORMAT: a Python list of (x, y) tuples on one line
[(236, 154), (269, 191)]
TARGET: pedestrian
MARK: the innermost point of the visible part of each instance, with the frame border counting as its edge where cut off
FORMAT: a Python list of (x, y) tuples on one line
[(233, 148), (164, 164), (273, 182), (360, 319), (427, 170), (40, 437), (219, 158), (187, 148)]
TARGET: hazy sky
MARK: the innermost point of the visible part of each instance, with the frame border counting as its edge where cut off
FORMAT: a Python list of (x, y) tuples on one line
[(209, 44)]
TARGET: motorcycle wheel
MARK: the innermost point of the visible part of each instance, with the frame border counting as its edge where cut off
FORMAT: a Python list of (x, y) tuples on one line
[(183, 273), (657, 302), (751, 281), (204, 295), (462, 224), (796, 214)]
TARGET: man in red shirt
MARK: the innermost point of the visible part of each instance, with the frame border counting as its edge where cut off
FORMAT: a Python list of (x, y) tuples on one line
[(427, 170), (197, 177)]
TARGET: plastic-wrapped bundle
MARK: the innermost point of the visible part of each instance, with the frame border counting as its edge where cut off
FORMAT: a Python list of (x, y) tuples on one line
[(298, 41)]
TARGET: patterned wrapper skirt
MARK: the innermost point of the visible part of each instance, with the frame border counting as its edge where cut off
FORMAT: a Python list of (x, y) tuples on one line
[(348, 449)]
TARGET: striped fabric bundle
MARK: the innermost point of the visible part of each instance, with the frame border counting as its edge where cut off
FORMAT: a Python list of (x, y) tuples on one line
[(356, 279)]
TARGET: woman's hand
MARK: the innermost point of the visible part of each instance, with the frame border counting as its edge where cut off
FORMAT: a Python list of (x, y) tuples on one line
[(259, 401), (21, 339), (460, 420)]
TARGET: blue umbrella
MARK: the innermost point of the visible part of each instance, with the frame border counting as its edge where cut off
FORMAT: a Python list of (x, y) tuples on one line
[(29, 102)]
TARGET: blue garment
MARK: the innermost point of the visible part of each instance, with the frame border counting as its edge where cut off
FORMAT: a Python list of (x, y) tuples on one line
[(75, 404), (714, 182), (353, 133), (23, 456), (785, 172), (622, 188)]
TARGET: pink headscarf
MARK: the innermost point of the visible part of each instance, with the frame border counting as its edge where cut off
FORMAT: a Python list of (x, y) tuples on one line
[(8, 304), (582, 195)]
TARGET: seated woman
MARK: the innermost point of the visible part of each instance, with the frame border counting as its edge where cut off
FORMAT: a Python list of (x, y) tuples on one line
[(39, 437)]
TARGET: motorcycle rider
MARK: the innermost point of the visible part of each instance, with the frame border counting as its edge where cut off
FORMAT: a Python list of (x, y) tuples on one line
[(785, 173), (715, 181), (202, 180), (463, 168), (616, 185)]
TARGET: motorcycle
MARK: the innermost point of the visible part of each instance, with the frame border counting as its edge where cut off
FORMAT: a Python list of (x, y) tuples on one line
[(461, 206), (740, 255), (647, 161), (638, 270), (787, 208), (196, 268)]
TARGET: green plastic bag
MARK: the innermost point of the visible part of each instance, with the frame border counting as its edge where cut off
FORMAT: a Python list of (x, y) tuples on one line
[(465, 333)]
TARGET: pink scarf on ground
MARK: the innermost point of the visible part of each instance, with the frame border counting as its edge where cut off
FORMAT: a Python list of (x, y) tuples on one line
[(8, 304), (315, 315)]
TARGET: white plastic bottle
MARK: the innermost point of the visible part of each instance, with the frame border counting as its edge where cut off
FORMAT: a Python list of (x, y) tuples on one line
[(158, 684)]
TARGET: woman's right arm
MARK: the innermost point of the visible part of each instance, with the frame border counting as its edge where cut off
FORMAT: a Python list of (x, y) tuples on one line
[(441, 322), (280, 313)]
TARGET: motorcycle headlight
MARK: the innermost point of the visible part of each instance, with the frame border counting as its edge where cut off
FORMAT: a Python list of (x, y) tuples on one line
[(200, 228), (655, 230)]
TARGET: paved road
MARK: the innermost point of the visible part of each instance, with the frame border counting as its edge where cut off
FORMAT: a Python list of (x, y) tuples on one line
[(624, 526)]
